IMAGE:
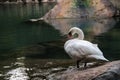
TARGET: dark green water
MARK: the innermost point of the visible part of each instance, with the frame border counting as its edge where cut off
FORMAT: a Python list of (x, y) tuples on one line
[(15, 33), (35, 50)]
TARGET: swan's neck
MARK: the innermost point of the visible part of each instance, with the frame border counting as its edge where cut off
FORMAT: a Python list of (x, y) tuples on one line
[(79, 35)]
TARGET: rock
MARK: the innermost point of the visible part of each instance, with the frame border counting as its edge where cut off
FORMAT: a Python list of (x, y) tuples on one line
[(78, 9), (113, 73), (102, 8), (116, 3), (108, 71), (66, 9)]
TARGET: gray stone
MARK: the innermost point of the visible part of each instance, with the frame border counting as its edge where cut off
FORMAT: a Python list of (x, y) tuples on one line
[(113, 73), (108, 71)]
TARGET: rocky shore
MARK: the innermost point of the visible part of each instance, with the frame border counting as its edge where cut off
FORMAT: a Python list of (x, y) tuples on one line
[(108, 71)]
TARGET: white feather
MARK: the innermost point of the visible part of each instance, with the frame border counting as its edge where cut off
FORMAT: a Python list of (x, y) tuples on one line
[(83, 50)]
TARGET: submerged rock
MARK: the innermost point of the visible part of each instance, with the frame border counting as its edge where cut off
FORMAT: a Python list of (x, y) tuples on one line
[(108, 71)]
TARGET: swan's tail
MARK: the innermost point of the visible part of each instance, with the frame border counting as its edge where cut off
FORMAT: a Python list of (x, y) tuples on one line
[(101, 58), (106, 60)]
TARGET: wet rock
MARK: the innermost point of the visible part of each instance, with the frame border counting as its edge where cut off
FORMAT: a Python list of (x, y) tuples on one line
[(108, 71), (78, 9), (17, 74), (113, 73)]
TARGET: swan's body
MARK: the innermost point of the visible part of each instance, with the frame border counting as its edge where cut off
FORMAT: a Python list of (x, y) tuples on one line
[(82, 50)]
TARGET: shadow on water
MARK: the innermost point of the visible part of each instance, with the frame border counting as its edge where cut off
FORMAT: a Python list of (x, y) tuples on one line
[(35, 50)]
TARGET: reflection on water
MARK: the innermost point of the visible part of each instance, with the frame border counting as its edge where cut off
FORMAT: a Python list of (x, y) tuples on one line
[(35, 50), (90, 27), (104, 32)]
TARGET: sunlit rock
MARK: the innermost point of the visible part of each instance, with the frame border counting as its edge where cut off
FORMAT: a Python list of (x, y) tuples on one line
[(6, 67), (48, 64), (102, 8), (21, 58), (19, 64), (17, 74), (81, 9), (66, 9)]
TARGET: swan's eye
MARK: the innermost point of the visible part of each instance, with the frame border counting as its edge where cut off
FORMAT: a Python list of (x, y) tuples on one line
[(70, 34)]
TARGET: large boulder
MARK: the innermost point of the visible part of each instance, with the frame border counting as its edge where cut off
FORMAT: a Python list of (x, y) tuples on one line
[(102, 8), (81, 8), (108, 71)]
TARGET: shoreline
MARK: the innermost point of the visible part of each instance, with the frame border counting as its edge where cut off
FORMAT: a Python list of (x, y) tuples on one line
[(29, 2)]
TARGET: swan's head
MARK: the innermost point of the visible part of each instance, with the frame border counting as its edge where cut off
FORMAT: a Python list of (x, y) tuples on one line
[(76, 33)]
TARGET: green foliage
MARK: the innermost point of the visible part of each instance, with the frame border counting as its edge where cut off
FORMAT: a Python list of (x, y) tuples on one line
[(80, 3), (86, 2)]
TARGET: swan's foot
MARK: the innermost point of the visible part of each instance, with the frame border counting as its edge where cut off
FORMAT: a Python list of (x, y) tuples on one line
[(78, 64), (85, 64)]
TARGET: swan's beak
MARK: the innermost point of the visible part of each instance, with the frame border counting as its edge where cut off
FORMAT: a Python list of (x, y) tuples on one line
[(67, 36)]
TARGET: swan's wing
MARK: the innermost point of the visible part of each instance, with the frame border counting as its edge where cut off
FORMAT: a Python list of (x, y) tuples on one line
[(87, 48), (72, 49), (90, 50), (82, 48), (96, 45)]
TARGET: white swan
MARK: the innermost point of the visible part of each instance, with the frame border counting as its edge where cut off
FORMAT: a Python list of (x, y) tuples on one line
[(82, 50)]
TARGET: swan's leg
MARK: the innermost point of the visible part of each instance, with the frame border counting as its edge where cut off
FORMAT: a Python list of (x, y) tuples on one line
[(78, 63), (85, 64)]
